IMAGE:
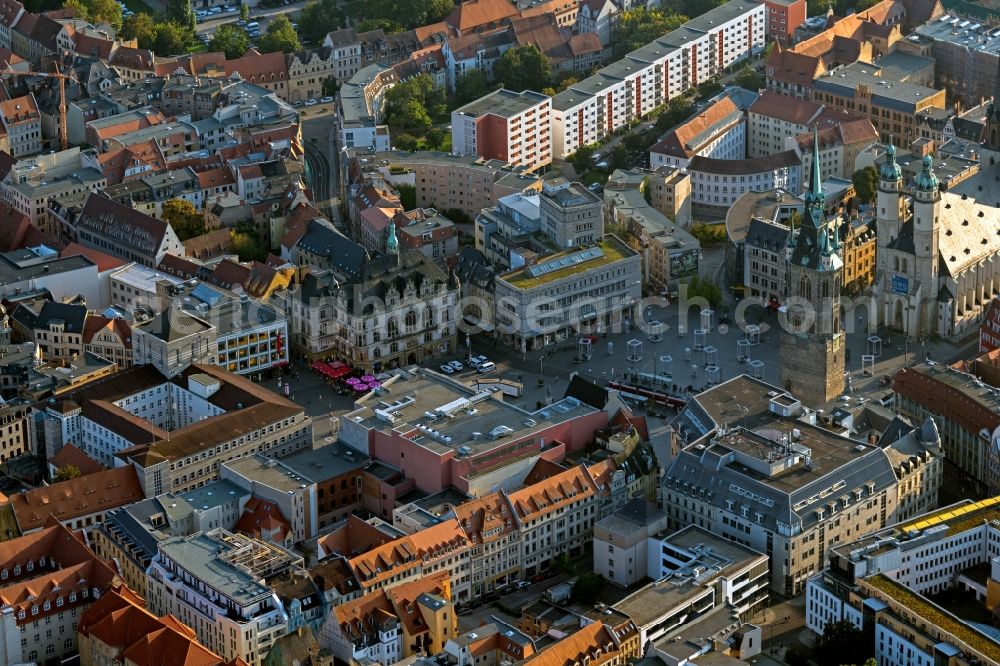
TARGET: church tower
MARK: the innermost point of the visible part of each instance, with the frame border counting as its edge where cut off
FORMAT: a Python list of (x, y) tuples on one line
[(926, 230), (889, 202), (993, 115), (812, 362)]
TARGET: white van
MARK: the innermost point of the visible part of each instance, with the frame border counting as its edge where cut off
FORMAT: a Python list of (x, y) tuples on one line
[(252, 25), (488, 366)]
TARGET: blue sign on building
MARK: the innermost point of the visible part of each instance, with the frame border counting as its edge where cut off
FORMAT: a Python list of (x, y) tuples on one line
[(900, 284)]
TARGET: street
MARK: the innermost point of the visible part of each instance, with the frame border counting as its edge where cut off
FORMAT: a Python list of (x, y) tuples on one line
[(319, 136), (210, 25)]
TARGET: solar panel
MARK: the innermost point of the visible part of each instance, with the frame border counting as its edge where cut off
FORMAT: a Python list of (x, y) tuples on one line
[(564, 262)]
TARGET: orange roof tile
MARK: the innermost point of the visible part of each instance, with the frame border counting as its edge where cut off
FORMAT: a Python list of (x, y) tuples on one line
[(491, 514), (77, 497), (105, 262), (592, 642), (19, 109), (479, 13), (681, 140), (552, 493), (71, 455), (263, 519)]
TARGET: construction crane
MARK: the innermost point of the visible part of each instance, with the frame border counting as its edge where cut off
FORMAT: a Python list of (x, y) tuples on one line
[(63, 132)]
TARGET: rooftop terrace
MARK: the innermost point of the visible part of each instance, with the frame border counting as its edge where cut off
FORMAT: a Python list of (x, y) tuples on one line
[(568, 263)]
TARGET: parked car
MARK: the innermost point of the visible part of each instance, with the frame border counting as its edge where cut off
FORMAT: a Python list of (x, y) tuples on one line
[(476, 360), (521, 584), (311, 102), (485, 367), (447, 369), (297, 103), (326, 100), (602, 165), (456, 365)]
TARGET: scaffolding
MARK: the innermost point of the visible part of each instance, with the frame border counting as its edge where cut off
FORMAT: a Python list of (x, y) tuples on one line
[(756, 369), (586, 349), (753, 334), (254, 557), (742, 350), (634, 352), (712, 375), (666, 365)]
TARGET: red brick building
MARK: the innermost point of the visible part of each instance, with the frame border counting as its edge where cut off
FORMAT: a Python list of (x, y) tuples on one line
[(783, 17)]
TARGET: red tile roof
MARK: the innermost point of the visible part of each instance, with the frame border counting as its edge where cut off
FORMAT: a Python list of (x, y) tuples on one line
[(105, 262), (263, 519), (680, 141), (82, 496), (480, 13), (70, 455)]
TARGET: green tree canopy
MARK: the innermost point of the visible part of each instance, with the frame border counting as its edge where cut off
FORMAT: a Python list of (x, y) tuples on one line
[(244, 11), (385, 25), (414, 105), (750, 79), (865, 183), (280, 36), (172, 38), (106, 11), (470, 86), (582, 160), (678, 109), (141, 27), (66, 472), (318, 19), (184, 218), (587, 589), (638, 27), (706, 289), (841, 643), (407, 12), (523, 68), (231, 40)]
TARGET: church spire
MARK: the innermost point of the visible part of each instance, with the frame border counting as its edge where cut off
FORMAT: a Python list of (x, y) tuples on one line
[(814, 196), (392, 243)]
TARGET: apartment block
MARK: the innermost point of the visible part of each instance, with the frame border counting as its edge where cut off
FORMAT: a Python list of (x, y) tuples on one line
[(783, 17), (216, 583), (23, 125), (794, 493), (888, 584), (504, 125), (651, 76)]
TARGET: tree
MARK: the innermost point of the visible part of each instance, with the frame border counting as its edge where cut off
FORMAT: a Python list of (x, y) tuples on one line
[(385, 25), (172, 38), (706, 289), (183, 218), (523, 68), (79, 7), (411, 14), (140, 27), (567, 82), (407, 196), (458, 216), (244, 11), (330, 86), (319, 19), (470, 86), (406, 142), (414, 105), (678, 109), (181, 12), (638, 27), (709, 88), (66, 472), (246, 247), (230, 40), (865, 184), (280, 37), (841, 643), (587, 589), (750, 79), (434, 137), (564, 564), (106, 11), (582, 160)]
